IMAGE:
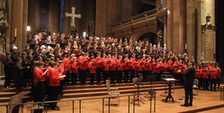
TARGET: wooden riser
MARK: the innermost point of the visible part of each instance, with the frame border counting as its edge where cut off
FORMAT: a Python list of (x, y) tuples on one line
[(78, 91), (69, 90), (103, 93)]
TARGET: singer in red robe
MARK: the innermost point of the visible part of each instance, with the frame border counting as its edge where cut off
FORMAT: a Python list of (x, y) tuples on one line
[(106, 68), (55, 78), (83, 68), (39, 80), (120, 68), (99, 67), (74, 71), (92, 70)]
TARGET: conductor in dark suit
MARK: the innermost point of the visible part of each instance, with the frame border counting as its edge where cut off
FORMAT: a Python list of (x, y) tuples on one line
[(188, 84)]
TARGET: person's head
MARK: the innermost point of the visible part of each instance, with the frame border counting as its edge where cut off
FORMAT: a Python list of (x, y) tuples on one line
[(52, 64), (191, 63), (27, 47), (120, 57), (40, 64), (98, 54), (14, 48), (24, 54)]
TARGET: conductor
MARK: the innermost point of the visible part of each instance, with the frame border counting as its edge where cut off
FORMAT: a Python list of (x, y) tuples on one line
[(188, 84)]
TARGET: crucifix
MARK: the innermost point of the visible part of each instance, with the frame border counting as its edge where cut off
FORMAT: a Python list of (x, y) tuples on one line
[(73, 16)]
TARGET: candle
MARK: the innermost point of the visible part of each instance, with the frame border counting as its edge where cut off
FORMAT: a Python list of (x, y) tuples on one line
[(15, 32), (84, 34), (185, 46)]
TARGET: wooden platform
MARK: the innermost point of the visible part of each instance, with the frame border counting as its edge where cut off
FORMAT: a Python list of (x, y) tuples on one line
[(78, 91)]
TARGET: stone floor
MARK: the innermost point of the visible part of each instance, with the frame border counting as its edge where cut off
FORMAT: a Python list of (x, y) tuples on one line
[(204, 102)]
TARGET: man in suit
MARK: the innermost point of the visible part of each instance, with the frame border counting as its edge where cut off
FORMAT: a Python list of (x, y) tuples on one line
[(188, 84)]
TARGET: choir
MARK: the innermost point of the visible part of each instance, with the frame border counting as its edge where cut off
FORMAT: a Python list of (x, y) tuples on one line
[(52, 61)]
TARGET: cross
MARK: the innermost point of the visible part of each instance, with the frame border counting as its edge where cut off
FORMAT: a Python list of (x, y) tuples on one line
[(73, 16)]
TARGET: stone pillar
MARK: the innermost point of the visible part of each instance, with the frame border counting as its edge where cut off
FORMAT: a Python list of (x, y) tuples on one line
[(164, 4), (199, 43), (53, 16), (19, 19), (34, 15), (101, 17), (178, 25), (8, 36), (127, 9), (190, 27), (111, 14), (169, 35)]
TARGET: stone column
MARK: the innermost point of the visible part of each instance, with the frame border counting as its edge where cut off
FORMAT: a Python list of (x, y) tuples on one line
[(178, 26), (127, 7), (190, 26), (34, 15), (101, 17), (8, 36), (169, 6), (111, 14), (53, 16), (19, 22), (165, 35)]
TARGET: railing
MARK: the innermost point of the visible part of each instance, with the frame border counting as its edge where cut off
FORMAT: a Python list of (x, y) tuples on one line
[(222, 93), (79, 100), (136, 17)]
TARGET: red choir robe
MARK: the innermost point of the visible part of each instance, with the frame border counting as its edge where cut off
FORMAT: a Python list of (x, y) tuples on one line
[(127, 64), (219, 72), (92, 67), (99, 61), (144, 65), (74, 67), (120, 65), (213, 73), (38, 76), (132, 62), (149, 66), (170, 65), (112, 65), (83, 63), (138, 66), (106, 65), (205, 74), (198, 73), (157, 68), (66, 62), (61, 68), (54, 77)]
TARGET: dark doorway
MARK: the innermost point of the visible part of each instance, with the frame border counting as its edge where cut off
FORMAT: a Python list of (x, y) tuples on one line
[(151, 37), (219, 17)]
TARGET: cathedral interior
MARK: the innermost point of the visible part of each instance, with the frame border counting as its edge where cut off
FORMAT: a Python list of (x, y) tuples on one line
[(194, 27)]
